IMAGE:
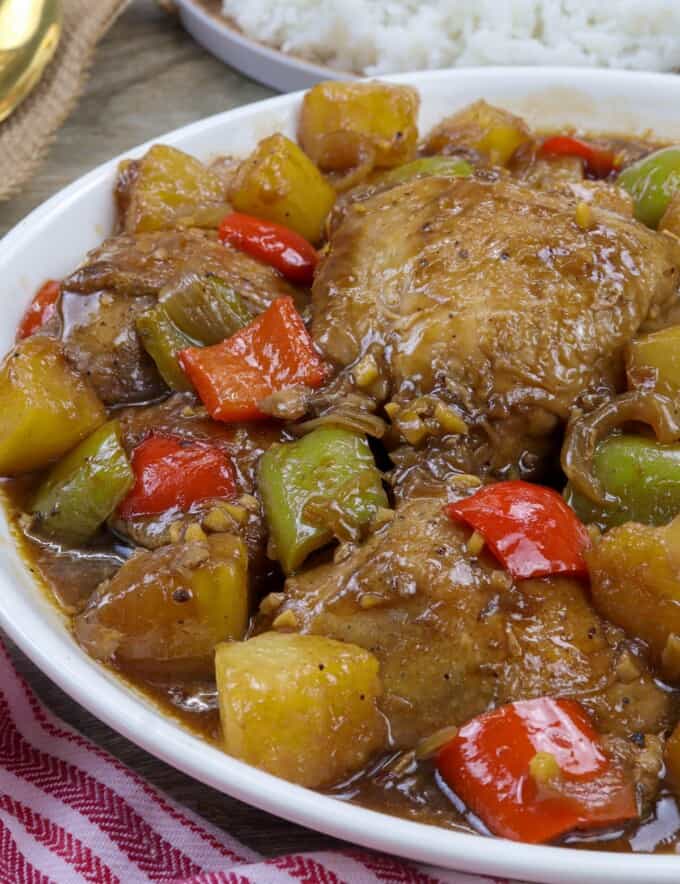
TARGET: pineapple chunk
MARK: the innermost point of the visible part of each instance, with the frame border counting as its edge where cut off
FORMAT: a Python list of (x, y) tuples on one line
[(46, 408), (280, 183), (341, 124), (490, 131), (167, 188), (164, 611), (635, 582), (302, 707), (654, 360)]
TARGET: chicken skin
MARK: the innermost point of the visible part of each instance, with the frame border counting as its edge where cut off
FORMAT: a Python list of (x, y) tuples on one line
[(502, 301)]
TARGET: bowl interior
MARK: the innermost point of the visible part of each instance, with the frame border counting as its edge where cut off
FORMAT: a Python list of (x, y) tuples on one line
[(53, 240)]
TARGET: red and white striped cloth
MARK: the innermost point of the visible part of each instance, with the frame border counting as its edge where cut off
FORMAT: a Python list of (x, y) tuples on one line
[(71, 813)]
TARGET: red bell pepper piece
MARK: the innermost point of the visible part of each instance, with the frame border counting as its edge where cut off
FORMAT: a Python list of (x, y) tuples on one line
[(599, 161), (272, 353), (42, 307), (529, 528), (274, 244), (174, 473), (488, 765)]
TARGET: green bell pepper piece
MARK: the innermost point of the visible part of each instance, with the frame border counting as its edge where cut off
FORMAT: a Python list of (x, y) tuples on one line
[(196, 311), (643, 474), (162, 340), (84, 488), (204, 308), (651, 182), (316, 488), (449, 167)]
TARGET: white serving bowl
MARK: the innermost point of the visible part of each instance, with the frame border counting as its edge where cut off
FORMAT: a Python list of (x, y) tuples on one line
[(54, 238)]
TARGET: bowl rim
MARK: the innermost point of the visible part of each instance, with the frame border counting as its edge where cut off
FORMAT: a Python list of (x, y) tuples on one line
[(126, 712)]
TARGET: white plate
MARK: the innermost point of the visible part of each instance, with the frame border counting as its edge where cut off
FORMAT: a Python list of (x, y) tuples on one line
[(54, 238), (282, 72)]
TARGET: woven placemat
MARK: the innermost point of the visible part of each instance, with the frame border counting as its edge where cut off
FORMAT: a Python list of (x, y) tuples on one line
[(26, 135)]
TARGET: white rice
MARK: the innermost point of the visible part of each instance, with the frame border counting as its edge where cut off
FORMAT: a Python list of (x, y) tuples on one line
[(383, 36)]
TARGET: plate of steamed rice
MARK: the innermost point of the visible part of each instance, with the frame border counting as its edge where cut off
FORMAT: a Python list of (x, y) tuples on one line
[(295, 44)]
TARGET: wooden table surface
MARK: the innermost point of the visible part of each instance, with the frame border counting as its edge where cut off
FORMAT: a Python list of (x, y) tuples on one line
[(148, 77)]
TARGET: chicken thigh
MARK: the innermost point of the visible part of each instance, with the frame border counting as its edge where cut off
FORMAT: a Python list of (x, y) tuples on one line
[(455, 636), (502, 301)]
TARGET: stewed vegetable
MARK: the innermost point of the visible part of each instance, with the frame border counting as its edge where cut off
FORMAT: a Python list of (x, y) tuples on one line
[(84, 488), (45, 407), (653, 361), (174, 473), (490, 132), (349, 129), (635, 584), (273, 353), (205, 307), (164, 341), (641, 479), (164, 611), (527, 527), (322, 486), (42, 308), (440, 165), (280, 183), (195, 309), (303, 707), (652, 181), (536, 769), (598, 161), (279, 246), (167, 188)]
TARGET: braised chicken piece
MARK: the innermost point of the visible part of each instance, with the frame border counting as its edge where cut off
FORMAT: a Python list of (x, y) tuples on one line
[(454, 635), (144, 263), (122, 279), (497, 299), (564, 175), (100, 340)]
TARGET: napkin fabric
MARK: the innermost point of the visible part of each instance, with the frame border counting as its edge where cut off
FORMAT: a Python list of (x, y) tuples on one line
[(26, 135), (70, 813)]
